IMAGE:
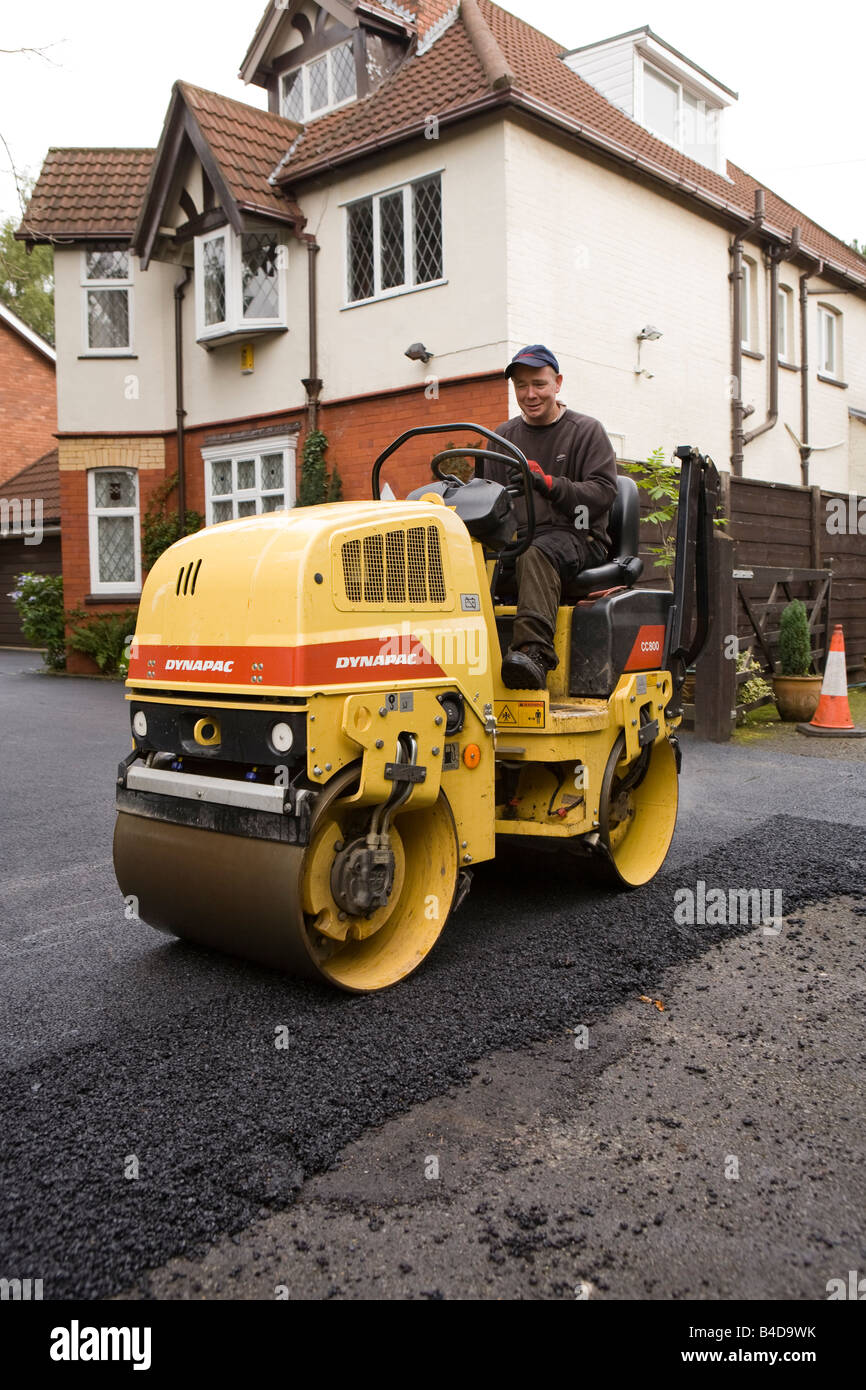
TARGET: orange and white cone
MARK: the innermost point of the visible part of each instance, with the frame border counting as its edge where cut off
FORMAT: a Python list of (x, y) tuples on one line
[(832, 718)]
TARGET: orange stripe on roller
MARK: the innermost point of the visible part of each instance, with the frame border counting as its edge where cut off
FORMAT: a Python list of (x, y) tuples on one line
[(325, 663), (648, 649)]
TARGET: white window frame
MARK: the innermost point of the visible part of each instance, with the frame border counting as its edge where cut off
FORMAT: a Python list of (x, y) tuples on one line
[(748, 305), (706, 109), (238, 450), (235, 322), (126, 285), (828, 315), (410, 286), (98, 586), (785, 316), (304, 70)]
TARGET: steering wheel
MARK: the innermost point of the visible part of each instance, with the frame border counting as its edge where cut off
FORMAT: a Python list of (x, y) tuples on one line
[(521, 486), (514, 460)]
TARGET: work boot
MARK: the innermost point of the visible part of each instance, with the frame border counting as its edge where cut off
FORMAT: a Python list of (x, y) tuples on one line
[(526, 668)]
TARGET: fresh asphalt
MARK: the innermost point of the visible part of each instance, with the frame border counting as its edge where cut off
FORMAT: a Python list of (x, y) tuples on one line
[(146, 1113)]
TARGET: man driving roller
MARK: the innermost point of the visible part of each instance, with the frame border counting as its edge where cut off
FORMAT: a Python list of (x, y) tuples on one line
[(573, 469)]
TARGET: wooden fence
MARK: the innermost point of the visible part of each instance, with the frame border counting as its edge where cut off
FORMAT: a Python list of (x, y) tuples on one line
[(781, 542)]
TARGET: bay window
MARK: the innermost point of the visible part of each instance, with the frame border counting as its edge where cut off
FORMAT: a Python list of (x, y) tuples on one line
[(239, 282)]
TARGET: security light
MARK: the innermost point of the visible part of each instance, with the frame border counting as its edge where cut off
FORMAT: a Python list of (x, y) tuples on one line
[(419, 353)]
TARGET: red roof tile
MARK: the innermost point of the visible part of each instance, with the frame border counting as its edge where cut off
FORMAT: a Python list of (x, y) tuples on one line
[(247, 144), (38, 480), (86, 194), (443, 79)]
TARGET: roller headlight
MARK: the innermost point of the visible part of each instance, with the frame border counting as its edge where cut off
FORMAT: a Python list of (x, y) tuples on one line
[(282, 737), (139, 724)]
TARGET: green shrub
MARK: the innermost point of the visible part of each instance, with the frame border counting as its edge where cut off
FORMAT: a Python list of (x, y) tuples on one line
[(160, 528), (315, 486), (795, 644), (105, 639), (39, 601)]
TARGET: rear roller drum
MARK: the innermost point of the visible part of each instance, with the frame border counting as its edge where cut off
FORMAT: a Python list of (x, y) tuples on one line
[(637, 813)]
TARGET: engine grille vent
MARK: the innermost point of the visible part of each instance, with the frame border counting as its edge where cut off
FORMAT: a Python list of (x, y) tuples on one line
[(399, 567)]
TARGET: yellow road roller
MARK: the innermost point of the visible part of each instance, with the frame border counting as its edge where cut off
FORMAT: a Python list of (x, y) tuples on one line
[(323, 747)]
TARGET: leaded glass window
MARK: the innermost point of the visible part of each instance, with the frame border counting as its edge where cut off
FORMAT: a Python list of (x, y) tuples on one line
[(343, 73), (394, 240), (248, 480), (107, 282), (115, 559), (293, 95), (362, 277), (321, 85), (261, 293), (214, 254), (427, 212)]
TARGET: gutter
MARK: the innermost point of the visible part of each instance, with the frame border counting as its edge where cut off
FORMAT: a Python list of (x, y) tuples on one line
[(804, 445), (738, 414), (179, 292), (313, 383)]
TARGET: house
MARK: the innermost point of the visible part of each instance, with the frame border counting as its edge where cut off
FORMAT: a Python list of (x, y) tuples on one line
[(432, 186), (28, 395)]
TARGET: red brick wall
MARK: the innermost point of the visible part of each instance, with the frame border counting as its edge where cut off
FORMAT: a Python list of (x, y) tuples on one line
[(28, 403), (358, 431)]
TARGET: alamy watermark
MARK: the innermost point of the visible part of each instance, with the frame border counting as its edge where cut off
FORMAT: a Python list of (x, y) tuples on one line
[(729, 907), (22, 518)]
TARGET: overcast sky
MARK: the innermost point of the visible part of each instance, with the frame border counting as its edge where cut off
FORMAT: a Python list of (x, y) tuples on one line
[(799, 125)]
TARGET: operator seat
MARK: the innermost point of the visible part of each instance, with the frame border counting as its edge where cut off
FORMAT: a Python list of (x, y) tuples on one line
[(624, 567)]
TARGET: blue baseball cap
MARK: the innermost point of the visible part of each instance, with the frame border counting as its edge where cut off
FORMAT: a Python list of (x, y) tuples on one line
[(536, 356)]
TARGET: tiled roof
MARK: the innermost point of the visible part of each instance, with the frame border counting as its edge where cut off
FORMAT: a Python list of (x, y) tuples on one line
[(86, 193), (458, 70), (447, 77), (247, 144), (38, 480)]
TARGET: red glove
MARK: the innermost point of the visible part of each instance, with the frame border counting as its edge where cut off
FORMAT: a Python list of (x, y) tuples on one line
[(542, 481)]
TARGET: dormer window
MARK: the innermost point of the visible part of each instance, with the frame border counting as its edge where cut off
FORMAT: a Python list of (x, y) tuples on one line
[(679, 117), (320, 86)]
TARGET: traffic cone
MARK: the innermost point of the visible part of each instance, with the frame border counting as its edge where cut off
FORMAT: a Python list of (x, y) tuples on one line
[(832, 718)]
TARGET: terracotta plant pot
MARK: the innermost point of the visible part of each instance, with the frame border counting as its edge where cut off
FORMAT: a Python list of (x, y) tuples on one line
[(796, 697)]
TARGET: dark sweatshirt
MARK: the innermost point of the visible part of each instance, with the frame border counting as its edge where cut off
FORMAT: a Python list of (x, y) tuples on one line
[(576, 451)]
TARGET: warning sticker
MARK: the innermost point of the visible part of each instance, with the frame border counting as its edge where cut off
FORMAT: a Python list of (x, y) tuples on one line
[(521, 714), (530, 714)]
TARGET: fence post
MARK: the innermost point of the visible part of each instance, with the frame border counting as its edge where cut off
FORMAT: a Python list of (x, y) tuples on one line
[(716, 672)]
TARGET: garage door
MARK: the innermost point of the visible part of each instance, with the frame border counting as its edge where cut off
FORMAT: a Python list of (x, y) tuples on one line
[(15, 559)]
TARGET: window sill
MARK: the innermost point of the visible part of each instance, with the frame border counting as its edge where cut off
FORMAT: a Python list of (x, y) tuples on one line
[(833, 381), (225, 337), (93, 600), (108, 356), (789, 366), (394, 294), (756, 356)]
